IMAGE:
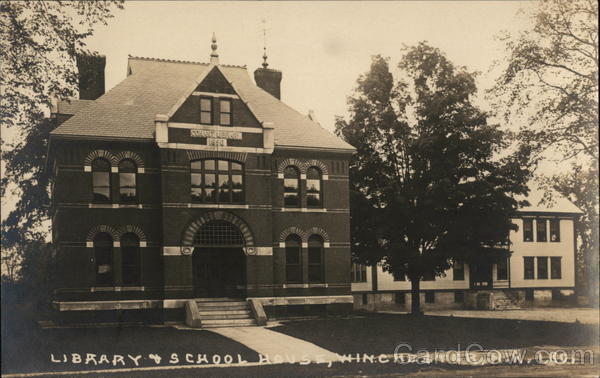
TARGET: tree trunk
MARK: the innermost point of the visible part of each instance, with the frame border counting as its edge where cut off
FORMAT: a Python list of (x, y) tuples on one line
[(415, 296)]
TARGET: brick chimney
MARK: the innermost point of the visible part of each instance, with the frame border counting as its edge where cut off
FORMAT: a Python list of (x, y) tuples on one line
[(91, 76), (269, 80)]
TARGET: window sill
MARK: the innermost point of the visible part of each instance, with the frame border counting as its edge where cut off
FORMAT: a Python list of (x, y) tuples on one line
[(303, 285), (218, 205), (114, 206), (117, 288), (303, 209)]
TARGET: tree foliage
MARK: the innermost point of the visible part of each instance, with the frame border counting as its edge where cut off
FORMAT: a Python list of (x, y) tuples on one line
[(549, 81), (549, 86), (580, 186), (40, 40), (428, 184)]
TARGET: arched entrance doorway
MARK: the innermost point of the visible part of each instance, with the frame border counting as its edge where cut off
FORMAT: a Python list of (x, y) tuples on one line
[(218, 260)]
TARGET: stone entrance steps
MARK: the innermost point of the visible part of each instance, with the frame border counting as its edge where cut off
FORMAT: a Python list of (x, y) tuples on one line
[(505, 304), (504, 300), (219, 312)]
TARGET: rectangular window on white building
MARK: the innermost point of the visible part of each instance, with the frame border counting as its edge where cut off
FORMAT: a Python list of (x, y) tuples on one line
[(541, 230), (358, 273), (528, 229), (502, 270), (555, 268), (458, 271), (528, 268), (542, 268), (555, 230)]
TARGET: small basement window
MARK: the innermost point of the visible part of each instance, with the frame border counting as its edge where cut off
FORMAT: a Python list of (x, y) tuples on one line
[(459, 297), (430, 297), (400, 298)]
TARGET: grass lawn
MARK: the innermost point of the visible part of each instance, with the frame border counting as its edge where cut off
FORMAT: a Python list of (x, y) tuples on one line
[(27, 348), (381, 333)]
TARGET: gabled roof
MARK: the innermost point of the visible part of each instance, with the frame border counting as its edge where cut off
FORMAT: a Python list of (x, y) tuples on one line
[(70, 107), (155, 86), (558, 204)]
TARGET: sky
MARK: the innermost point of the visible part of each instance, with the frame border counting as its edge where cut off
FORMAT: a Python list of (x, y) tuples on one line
[(321, 47)]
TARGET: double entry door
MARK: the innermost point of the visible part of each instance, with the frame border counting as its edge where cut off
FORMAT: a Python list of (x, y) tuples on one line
[(219, 272)]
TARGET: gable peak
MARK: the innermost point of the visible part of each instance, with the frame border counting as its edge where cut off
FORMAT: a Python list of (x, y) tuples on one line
[(214, 55)]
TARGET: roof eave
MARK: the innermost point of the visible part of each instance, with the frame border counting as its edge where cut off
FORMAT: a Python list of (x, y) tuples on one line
[(100, 138), (312, 148)]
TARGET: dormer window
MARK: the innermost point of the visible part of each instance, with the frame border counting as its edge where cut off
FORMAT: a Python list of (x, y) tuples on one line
[(206, 110), (225, 112)]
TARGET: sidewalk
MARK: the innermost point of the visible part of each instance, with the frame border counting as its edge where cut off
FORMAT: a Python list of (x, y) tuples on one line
[(276, 346), (564, 315)]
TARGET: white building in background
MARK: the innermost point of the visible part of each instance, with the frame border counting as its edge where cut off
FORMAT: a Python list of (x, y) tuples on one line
[(540, 270)]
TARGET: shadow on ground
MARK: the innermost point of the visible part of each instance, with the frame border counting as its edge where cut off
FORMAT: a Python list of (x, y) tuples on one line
[(27, 348), (381, 333)]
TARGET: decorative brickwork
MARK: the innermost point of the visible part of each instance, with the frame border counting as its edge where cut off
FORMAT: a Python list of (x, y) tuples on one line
[(129, 155), (302, 165), (318, 231), (304, 235), (291, 231), (319, 164), (190, 232), (104, 154), (114, 234), (199, 154), (134, 230)]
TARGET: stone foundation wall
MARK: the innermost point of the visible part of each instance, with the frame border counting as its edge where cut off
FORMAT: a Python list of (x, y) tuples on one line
[(472, 299)]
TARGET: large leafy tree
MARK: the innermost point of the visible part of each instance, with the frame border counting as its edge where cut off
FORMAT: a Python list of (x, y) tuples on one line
[(548, 89), (40, 41), (429, 186), (580, 185), (549, 80)]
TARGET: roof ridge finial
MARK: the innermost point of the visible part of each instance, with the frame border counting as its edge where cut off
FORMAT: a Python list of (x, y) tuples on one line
[(214, 55), (265, 64)]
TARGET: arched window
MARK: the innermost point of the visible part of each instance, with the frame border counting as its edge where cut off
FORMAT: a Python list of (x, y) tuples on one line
[(130, 259), (217, 181), (315, 259), (101, 180), (313, 187), (291, 187), (127, 181), (103, 255), (293, 259), (219, 233)]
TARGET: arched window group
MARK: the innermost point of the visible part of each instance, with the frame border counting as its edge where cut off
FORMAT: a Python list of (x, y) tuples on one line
[(313, 187), (127, 181), (298, 261), (292, 189), (130, 259), (217, 181), (102, 183), (104, 258), (101, 180)]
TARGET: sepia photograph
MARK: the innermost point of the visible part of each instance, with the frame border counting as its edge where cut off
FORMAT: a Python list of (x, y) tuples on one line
[(299, 188)]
